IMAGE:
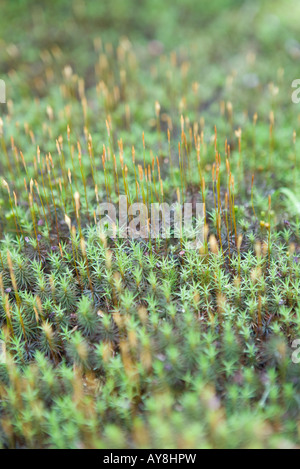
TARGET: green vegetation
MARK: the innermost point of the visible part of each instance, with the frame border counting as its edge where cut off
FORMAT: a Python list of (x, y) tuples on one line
[(138, 343)]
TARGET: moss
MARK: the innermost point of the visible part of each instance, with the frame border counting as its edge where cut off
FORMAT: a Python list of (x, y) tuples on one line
[(115, 342)]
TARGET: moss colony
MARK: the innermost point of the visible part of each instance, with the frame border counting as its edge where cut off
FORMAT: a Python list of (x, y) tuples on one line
[(111, 342)]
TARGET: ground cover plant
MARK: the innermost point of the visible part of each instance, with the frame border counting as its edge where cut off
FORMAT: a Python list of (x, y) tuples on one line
[(112, 342)]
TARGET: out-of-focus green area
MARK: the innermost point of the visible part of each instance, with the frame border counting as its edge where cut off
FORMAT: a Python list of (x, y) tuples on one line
[(221, 32)]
